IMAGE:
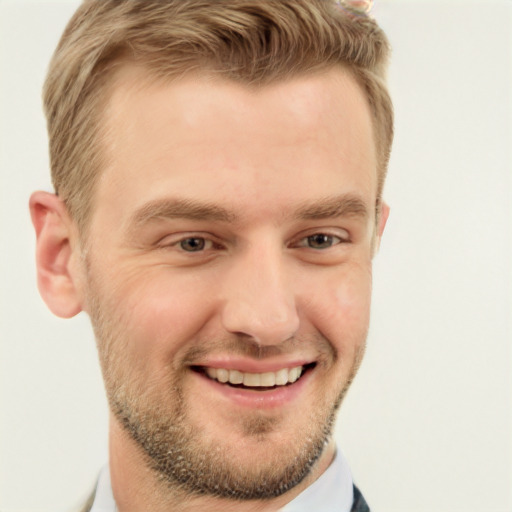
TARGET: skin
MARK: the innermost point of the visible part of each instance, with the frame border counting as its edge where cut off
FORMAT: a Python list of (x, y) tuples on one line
[(359, 5), (282, 179)]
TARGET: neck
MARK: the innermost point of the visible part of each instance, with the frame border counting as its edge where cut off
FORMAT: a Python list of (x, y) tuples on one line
[(137, 487)]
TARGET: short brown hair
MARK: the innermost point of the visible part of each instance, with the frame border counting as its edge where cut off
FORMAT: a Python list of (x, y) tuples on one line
[(250, 41)]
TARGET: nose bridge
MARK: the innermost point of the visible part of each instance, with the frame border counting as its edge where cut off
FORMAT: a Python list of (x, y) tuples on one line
[(259, 296)]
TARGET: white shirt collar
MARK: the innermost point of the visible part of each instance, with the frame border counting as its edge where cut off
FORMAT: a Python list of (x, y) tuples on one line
[(104, 499), (331, 492)]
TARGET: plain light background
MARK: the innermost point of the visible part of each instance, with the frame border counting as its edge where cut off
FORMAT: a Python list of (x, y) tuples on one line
[(427, 425)]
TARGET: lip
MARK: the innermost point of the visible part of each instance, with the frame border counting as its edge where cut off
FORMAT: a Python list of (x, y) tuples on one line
[(252, 366), (250, 399)]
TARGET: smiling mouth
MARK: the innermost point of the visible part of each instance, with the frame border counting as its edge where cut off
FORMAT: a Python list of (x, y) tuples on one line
[(256, 381)]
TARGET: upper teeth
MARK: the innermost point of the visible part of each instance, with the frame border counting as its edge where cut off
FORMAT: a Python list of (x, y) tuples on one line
[(268, 379)]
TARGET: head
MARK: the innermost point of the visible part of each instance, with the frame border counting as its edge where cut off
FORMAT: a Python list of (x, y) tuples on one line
[(219, 170)]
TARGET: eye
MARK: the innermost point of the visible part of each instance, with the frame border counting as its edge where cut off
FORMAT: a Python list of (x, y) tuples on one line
[(321, 241), (194, 244), (322, 245)]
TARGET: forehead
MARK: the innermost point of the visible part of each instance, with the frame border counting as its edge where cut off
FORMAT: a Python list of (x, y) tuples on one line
[(309, 103), (197, 133)]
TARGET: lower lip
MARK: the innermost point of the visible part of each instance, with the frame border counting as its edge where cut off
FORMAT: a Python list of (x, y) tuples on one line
[(268, 399)]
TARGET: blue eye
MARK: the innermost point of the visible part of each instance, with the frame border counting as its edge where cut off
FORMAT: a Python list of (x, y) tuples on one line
[(193, 244), (322, 241)]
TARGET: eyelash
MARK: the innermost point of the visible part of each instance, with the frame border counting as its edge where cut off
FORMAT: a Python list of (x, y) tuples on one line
[(206, 243), (328, 236)]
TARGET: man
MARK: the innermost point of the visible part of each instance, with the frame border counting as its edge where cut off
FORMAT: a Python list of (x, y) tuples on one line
[(218, 168)]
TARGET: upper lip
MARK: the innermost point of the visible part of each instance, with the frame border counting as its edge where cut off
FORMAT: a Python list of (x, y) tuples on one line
[(254, 366)]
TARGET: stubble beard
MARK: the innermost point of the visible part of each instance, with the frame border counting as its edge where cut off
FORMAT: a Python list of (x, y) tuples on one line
[(188, 464), (184, 461)]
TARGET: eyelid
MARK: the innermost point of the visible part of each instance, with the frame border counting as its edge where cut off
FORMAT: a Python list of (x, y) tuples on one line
[(212, 241), (341, 234), (175, 239)]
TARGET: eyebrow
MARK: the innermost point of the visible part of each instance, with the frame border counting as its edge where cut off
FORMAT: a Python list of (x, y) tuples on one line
[(161, 209), (345, 205)]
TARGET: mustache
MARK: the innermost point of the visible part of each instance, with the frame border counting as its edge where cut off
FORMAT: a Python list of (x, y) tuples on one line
[(242, 345)]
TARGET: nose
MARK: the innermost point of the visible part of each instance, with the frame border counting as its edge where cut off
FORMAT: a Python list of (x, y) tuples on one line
[(259, 299)]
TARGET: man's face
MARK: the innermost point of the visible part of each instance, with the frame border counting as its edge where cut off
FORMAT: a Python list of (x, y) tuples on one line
[(231, 240)]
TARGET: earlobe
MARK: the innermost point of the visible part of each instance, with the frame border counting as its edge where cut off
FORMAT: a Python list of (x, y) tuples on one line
[(56, 249)]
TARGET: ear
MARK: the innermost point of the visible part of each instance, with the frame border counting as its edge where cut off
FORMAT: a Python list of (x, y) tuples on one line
[(56, 254), (381, 224)]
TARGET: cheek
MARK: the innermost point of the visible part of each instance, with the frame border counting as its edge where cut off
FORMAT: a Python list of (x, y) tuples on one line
[(352, 298), (340, 309), (155, 313)]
